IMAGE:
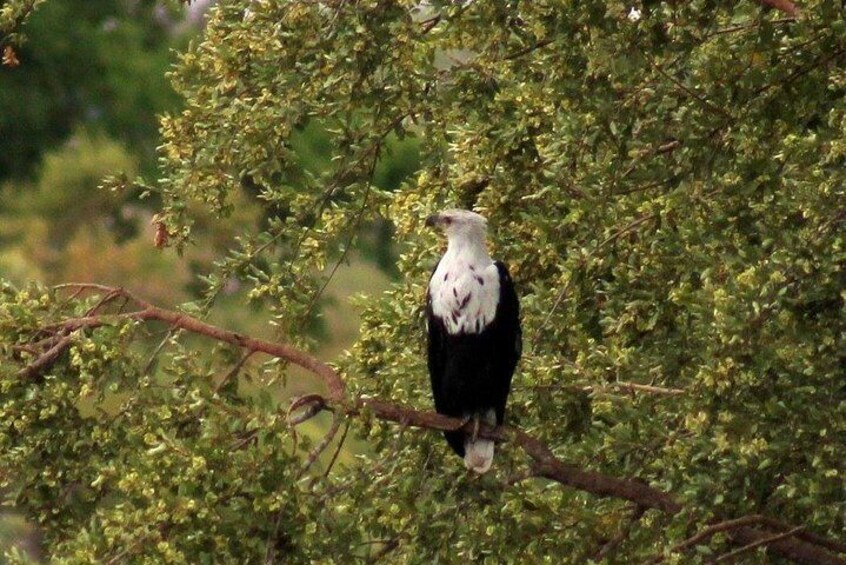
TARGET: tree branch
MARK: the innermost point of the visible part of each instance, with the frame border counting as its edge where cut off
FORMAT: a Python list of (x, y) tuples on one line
[(758, 543), (526, 50), (637, 387), (710, 531), (46, 359), (320, 447), (545, 463), (791, 548), (333, 382), (742, 531)]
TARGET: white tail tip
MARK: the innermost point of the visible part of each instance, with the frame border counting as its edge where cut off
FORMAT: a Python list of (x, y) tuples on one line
[(478, 455)]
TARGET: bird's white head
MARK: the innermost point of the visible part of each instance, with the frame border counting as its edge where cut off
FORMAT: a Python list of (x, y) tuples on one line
[(460, 225)]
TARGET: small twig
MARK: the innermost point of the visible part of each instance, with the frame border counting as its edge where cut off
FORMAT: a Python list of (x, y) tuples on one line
[(644, 187), (384, 550), (318, 208), (111, 295), (374, 472), (529, 49), (751, 25), (156, 351), (100, 288), (758, 543), (805, 535), (73, 296), (17, 22), (120, 556), (822, 59), (337, 13), (62, 339), (624, 230), (247, 438), (233, 371), (320, 447), (314, 404), (269, 553), (710, 531), (832, 221), (644, 388), (597, 389), (25, 349), (337, 449), (612, 544), (46, 359), (693, 94), (427, 25)]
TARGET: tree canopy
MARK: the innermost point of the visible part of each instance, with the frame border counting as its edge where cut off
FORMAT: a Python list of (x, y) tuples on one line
[(667, 187)]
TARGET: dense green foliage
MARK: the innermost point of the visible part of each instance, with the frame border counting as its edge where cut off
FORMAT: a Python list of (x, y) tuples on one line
[(669, 193)]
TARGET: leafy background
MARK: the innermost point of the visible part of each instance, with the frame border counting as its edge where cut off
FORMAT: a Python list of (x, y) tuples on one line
[(668, 191)]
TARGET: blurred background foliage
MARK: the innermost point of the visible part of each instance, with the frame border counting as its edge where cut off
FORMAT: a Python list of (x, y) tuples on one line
[(666, 183), (98, 64)]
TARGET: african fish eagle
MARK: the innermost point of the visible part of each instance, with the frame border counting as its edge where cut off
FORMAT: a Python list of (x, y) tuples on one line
[(475, 340)]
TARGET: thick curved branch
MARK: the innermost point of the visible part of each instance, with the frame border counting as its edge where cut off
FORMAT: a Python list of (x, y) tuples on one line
[(790, 544), (739, 528), (334, 384)]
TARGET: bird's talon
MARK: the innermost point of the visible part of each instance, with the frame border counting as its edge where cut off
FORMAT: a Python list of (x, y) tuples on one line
[(464, 422)]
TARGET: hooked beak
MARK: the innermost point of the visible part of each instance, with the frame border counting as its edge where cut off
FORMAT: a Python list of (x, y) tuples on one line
[(432, 220)]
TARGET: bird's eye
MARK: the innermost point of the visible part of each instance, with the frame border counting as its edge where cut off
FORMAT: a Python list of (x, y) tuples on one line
[(447, 221)]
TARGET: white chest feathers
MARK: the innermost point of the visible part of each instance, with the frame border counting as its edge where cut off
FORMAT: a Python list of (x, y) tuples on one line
[(464, 295)]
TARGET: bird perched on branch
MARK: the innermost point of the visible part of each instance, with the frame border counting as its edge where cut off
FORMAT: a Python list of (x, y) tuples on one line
[(475, 340)]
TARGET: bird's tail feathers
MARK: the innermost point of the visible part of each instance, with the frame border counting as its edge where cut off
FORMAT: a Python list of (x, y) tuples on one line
[(478, 455), (456, 442)]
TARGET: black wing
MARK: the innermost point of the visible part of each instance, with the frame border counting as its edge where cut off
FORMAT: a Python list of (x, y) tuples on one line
[(437, 362), (436, 355), (507, 338), (472, 372)]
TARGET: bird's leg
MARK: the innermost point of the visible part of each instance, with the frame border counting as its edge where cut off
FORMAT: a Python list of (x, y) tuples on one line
[(475, 428), (464, 422)]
